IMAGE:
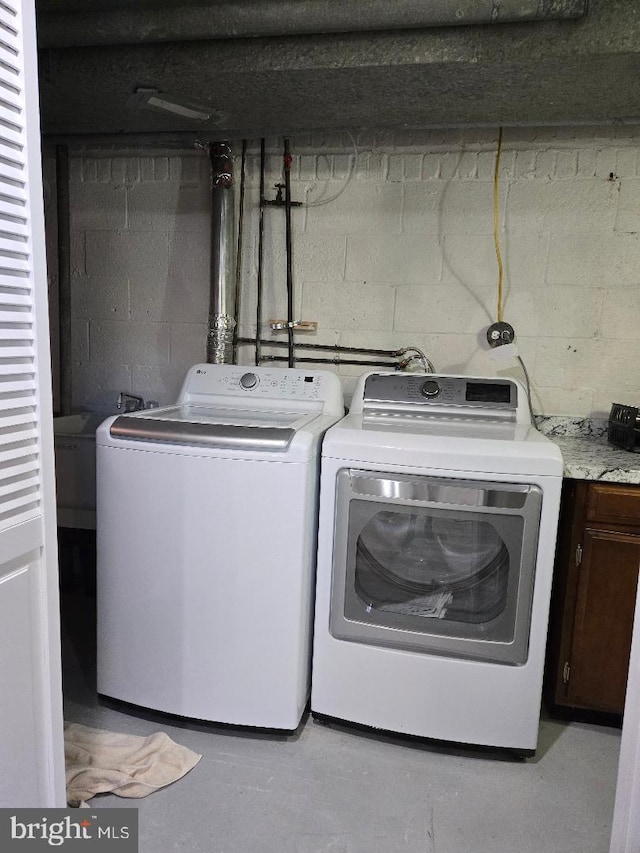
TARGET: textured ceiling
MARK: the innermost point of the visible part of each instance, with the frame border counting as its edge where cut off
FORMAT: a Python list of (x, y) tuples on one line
[(582, 71)]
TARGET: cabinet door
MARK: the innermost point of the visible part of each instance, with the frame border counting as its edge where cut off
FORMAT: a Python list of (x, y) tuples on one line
[(603, 623)]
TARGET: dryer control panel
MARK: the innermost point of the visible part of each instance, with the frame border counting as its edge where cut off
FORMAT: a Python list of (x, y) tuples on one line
[(440, 395)]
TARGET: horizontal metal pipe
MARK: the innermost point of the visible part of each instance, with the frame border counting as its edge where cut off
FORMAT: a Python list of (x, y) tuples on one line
[(190, 139), (335, 361), (325, 347), (128, 141), (69, 27)]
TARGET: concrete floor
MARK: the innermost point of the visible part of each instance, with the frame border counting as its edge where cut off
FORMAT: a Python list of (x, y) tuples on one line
[(334, 788)]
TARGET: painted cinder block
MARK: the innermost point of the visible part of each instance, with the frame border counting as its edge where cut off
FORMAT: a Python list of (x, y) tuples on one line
[(349, 305), (127, 254), (393, 259), (319, 257), (556, 311), (467, 207), (404, 253), (161, 385), (96, 386), (187, 344), (443, 308), (422, 207), (620, 313), (594, 259), (578, 401), (626, 163), (100, 297), (182, 291), (566, 164), (97, 207), (471, 259), (562, 207), (121, 342), (467, 168), (628, 213), (169, 206), (365, 208), (587, 163)]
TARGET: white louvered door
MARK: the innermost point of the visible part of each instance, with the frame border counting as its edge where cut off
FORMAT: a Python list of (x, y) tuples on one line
[(31, 728)]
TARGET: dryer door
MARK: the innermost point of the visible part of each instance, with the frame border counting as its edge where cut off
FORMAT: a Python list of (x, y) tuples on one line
[(445, 566)]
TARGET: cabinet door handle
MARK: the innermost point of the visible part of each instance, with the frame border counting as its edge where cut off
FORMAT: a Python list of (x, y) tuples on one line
[(578, 554), (566, 672)]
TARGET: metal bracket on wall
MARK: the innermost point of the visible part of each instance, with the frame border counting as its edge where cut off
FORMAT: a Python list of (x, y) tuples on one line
[(298, 325)]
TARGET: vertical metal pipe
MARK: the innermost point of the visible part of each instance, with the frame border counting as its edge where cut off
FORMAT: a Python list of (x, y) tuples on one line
[(221, 321), (64, 276), (287, 210), (236, 298), (258, 348)]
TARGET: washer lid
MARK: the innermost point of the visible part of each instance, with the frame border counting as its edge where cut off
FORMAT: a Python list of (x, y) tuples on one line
[(210, 426)]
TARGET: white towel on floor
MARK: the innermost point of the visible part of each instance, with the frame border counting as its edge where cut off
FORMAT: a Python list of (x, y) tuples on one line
[(98, 762)]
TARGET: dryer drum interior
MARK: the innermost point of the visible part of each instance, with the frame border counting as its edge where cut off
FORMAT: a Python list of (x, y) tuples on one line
[(432, 566)]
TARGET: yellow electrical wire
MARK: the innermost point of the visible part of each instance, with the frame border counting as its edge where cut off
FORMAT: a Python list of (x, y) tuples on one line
[(496, 236)]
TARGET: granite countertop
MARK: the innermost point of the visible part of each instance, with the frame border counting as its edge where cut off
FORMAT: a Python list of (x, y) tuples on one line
[(586, 452)]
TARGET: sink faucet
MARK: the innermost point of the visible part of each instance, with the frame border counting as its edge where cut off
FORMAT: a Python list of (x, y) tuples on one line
[(131, 402)]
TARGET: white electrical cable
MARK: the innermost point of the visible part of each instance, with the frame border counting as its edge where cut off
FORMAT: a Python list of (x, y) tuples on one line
[(526, 376), (352, 168)]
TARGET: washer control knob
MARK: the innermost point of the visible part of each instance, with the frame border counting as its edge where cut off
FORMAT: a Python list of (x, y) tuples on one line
[(430, 388), (248, 381)]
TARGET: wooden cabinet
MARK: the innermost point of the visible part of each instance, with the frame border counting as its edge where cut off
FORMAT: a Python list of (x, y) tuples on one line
[(593, 599)]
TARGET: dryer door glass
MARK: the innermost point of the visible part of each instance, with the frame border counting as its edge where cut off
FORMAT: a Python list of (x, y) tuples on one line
[(443, 565), (432, 565)]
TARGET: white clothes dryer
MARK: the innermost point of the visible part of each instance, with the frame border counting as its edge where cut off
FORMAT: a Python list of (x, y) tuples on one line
[(206, 543), (439, 503)]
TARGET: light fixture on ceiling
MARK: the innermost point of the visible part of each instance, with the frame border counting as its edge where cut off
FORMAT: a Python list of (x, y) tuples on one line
[(143, 98)]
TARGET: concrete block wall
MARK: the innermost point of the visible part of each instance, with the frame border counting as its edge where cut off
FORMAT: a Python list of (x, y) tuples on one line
[(393, 247), (139, 272)]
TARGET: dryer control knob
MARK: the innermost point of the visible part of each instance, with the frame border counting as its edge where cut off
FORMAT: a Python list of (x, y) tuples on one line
[(248, 381), (430, 388)]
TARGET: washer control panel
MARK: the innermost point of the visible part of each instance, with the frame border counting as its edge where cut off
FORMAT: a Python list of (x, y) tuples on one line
[(248, 381), (232, 381)]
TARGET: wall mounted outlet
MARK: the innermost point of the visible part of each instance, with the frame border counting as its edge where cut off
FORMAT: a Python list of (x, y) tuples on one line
[(500, 333)]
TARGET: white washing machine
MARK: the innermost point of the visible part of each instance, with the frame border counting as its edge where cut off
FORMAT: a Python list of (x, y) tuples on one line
[(438, 511), (206, 542)]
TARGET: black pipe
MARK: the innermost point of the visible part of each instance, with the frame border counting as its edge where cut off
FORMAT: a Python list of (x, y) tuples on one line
[(260, 255), (236, 300), (327, 347), (335, 361), (64, 276), (63, 25), (289, 250)]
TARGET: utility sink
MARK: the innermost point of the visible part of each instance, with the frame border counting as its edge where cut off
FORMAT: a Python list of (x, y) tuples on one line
[(75, 452)]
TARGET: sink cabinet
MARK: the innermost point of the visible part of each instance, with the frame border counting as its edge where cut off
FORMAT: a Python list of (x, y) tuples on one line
[(593, 599)]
